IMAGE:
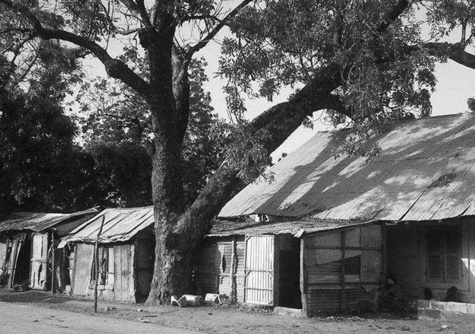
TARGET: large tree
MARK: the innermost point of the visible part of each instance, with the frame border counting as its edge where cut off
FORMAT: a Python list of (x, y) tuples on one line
[(361, 59)]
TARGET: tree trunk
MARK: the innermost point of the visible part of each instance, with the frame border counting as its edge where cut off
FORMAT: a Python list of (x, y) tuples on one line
[(179, 237), (167, 190), (171, 268)]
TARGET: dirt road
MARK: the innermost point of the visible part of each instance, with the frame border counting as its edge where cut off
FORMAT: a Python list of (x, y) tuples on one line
[(39, 312), (27, 319)]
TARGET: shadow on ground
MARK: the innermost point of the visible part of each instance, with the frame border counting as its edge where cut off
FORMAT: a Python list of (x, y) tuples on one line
[(31, 296), (237, 319)]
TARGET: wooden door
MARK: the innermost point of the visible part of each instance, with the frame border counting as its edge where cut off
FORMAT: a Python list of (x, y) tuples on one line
[(259, 270), (83, 259), (39, 250), (124, 287)]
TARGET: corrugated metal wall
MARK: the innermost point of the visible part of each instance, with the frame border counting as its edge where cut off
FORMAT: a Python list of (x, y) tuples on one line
[(206, 268), (342, 269), (259, 270), (215, 266)]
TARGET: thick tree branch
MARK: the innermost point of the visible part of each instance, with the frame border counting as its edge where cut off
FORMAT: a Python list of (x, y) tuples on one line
[(392, 15), (139, 11), (181, 92), (114, 67), (453, 52), (459, 55), (201, 44), (279, 121)]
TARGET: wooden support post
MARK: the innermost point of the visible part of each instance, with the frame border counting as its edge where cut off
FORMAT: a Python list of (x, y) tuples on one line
[(12, 262), (276, 270), (53, 261), (246, 272), (466, 271), (233, 271), (384, 257), (303, 278), (17, 243), (96, 263), (343, 274), (73, 269)]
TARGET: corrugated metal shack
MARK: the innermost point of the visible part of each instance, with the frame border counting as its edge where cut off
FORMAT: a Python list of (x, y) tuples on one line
[(421, 188), (315, 266), (28, 248), (126, 254)]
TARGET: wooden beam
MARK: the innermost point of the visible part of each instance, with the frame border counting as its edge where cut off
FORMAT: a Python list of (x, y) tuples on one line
[(384, 259), (377, 249), (73, 269), (13, 255), (53, 261), (233, 271), (342, 276), (244, 299), (276, 273), (96, 263), (303, 278)]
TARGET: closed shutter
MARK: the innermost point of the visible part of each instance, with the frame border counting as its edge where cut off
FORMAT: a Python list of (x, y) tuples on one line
[(453, 242), (435, 251), (443, 253)]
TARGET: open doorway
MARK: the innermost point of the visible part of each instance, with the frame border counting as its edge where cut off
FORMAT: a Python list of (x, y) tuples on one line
[(289, 272), (23, 261), (145, 260)]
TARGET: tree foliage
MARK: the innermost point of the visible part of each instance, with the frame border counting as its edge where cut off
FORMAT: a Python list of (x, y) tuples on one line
[(117, 131), (41, 169), (285, 42)]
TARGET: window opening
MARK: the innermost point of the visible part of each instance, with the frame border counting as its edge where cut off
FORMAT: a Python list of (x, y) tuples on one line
[(443, 249)]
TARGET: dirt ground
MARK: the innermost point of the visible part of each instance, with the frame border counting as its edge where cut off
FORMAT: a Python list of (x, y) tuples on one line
[(233, 319)]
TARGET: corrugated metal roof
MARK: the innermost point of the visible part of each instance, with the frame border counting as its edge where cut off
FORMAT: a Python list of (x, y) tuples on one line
[(426, 171), (38, 222), (119, 225), (297, 228)]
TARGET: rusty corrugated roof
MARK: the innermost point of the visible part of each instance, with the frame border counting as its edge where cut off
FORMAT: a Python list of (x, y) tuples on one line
[(118, 225), (38, 222), (426, 172), (297, 228)]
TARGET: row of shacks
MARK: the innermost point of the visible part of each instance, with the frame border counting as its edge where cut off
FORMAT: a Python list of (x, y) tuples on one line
[(27, 248), (325, 236), (57, 252)]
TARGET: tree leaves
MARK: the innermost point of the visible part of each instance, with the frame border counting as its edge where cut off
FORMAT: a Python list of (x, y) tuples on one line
[(40, 167)]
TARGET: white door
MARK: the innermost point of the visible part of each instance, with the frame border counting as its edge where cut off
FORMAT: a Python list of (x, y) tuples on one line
[(39, 250), (259, 270)]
